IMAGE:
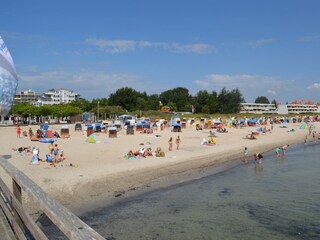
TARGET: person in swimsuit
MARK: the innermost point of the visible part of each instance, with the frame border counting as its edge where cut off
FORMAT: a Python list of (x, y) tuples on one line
[(170, 144), (258, 158), (56, 153), (245, 155), (278, 152), (18, 131), (284, 149), (178, 140)]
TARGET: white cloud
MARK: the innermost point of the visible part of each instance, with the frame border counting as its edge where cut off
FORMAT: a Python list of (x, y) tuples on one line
[(249, 85), (120, 46), (313, 38), (88, 84), (272, 92), (113, 46), (225, 80), (261, 43), (314, 86)]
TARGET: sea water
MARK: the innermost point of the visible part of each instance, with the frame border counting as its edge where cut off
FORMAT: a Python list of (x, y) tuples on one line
[(279, 199)]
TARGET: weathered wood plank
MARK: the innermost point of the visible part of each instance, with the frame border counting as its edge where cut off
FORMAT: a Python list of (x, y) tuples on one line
[(28, 221), (6, 232), (21, 213), (66, 221), (11, 221), (17, 230), (5, 209)]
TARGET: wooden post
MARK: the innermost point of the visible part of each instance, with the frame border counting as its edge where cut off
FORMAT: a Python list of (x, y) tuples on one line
[(16, 190), (73, 227), (17, 193)]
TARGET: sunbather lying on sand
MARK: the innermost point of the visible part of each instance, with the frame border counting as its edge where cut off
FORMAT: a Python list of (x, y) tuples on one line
[(22, 149)]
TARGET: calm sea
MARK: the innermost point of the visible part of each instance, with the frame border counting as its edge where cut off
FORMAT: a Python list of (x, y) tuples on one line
[(278, 200)]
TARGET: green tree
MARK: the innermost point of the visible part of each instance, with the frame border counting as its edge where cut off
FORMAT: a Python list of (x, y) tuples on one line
[(212, 102), (235, 98), (45, 110), (153, 102), (126, 98), (262, 99), (229, 101), (141, 104), (223, 102), (180, 96), (82, 103), (200, 100), (172, 106)]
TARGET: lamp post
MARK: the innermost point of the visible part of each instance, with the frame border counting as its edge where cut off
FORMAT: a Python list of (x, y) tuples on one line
[(98, 109)]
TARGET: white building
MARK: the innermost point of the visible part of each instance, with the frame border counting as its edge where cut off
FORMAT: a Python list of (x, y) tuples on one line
[(297, 109), (258, 108), (28, 96), (57, 96), (262, 108)]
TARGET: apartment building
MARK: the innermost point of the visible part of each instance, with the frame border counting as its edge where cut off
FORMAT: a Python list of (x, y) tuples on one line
[(258, 108), (51, 97), (27, 96)]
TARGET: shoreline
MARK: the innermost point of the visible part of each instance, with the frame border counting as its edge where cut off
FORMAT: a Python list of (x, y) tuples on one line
[(104, 177), (190, 171)]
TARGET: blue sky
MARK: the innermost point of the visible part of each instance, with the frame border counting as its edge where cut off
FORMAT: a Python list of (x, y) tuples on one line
[(264, 48)]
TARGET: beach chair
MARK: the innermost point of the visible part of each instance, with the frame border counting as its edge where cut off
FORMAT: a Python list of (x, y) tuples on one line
[(176, 128), (64, 132), (112, 132), (130, 130)]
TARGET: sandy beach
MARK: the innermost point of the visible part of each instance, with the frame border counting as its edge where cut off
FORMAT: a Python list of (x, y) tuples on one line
[(100, 174)]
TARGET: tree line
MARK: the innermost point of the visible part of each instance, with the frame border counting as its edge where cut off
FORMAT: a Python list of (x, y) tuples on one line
[(128, 100)]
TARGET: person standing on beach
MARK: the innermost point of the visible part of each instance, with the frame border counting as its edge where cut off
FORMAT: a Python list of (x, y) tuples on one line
[(18, 131), (170, 144), (178, 140), (56, 153), (284, 149), (51, 147), (30, 133), (245, 155)]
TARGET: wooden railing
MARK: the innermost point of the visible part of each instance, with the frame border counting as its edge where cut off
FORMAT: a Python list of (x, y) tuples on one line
[(20, 220)]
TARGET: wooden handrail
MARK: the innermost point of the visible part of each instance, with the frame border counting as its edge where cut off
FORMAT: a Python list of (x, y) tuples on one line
[(66, 221)]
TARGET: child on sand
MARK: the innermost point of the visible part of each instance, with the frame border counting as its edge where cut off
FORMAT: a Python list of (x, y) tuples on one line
[(178, 140), (56, 153), (170, 144)]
